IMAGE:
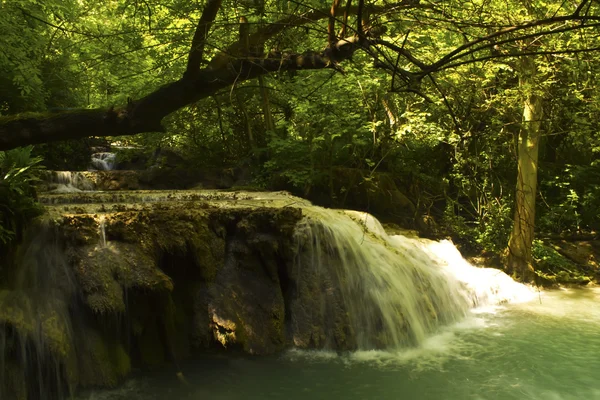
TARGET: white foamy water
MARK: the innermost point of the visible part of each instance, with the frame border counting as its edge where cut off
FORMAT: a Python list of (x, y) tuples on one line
[(103, 161), (396, 291), (428, 326), (69, 182)]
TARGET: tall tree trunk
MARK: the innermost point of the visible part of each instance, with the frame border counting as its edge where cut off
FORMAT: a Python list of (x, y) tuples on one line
[(521, 239), (266, 105), (224, 146), (247, 123)]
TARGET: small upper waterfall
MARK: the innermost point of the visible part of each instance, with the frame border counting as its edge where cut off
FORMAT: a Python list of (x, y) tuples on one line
[(68, 181), (394, 291), (104, 161)]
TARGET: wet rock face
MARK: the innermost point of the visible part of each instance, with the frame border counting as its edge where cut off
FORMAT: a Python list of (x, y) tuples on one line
[(147, 283), (223, 262), (245, 302)]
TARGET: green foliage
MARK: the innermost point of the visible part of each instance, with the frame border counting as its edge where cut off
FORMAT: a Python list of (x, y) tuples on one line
[(445, 146), (572, 199), (18, 172), (488, 233), (71, 155), (33, 74), (552, 267), (134, 158), (290, 161)]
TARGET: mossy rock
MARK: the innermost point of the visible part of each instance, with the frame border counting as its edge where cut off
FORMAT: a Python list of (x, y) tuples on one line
[(105, 272), (43, 323), (13, 385), (128, 275), (553, 268), (16, 311), (102, 362), (151, 347)]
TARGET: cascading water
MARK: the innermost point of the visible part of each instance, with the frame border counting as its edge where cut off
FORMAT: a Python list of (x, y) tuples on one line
[(104, 161), (393, 292), (102, 229), (38, 304), (68, 181), (346, 284)]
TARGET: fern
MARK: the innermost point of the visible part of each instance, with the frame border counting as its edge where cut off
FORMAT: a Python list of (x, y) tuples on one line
[(19, 171)]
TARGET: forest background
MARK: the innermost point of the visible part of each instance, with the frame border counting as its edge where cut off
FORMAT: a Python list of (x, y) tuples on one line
[(476, 120)]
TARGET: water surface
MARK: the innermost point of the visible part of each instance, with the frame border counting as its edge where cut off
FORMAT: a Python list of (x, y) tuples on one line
[(548, 348)]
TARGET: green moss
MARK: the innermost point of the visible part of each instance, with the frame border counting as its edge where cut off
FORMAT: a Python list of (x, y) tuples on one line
[(277, 323), (104, 272), (104, 363), (121, 361), (177, 327), (150, 347), (14, 385), (209, 252), (80, 229), (55, 331), (16, 311), (24, 116), (44, 323), (552, 268)]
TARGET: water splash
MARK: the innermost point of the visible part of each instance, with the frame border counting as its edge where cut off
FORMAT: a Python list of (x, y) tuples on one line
[(394, 291), (484, 287)]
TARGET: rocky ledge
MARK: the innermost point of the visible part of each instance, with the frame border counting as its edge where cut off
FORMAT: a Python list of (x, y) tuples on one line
[(106, 281)]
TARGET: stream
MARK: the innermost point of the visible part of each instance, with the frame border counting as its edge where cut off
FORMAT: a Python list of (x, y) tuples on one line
[(426, 323), (547, 348)]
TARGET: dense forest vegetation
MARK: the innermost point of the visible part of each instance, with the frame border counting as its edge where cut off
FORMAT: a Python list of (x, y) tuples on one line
[(475, 119)]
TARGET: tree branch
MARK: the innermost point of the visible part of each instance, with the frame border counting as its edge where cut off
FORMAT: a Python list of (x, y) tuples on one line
[(146, 114), (577, 11), (331, 26), (520, 54), (401, 51), (359, 18), (197, 49), (234, 65), (270, 30), (345, 21), (456, 53)]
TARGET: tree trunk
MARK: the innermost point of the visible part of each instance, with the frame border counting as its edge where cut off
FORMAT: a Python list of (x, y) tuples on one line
[(521, 240), (266, 105), (247, 124)]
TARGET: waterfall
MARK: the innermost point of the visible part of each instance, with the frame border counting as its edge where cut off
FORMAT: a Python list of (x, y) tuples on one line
[(369, 290), (69, 181), (38, 306), (102, 229), (335, 280), (103, 161)]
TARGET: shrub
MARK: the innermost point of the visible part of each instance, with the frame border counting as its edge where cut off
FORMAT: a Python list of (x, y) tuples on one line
[(18, 172)]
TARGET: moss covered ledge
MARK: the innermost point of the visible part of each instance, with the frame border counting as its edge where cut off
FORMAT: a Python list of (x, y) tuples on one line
[(143, 283)]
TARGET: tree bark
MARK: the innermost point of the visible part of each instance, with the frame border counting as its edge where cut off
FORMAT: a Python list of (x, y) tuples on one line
[(146, 114), (520, 261), (266, 105)]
